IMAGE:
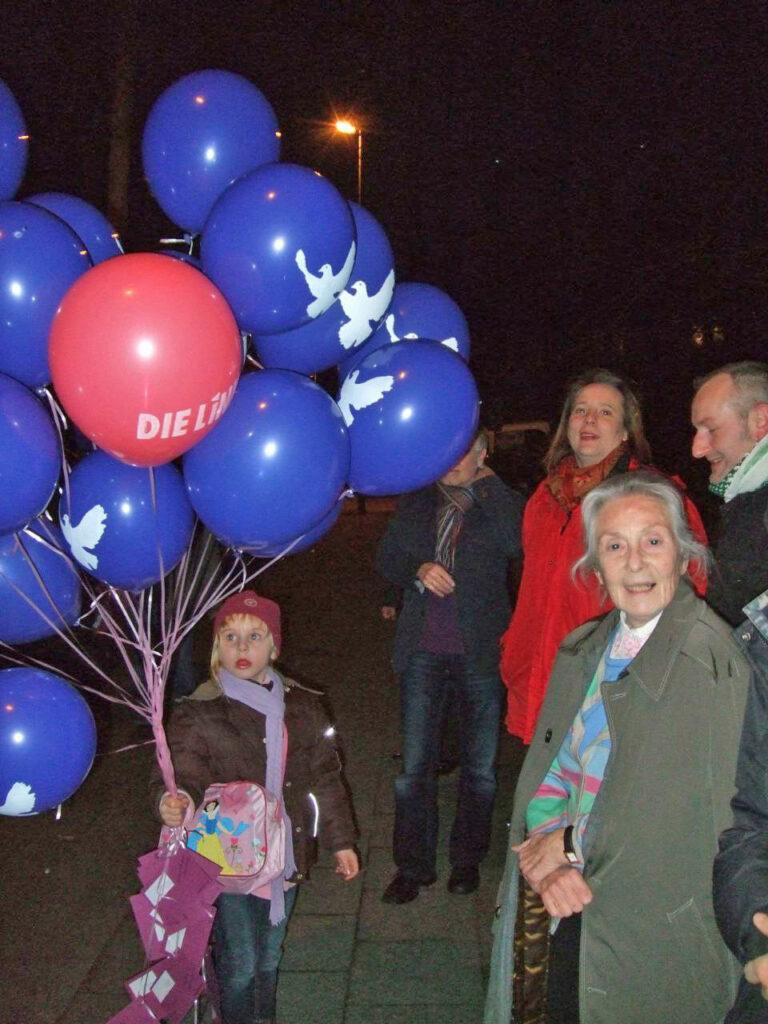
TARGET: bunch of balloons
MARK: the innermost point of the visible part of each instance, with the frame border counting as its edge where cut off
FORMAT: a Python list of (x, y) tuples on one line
[(145, 355)]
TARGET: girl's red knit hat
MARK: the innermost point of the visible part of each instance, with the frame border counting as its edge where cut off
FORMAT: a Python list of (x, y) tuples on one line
[(248, 602)]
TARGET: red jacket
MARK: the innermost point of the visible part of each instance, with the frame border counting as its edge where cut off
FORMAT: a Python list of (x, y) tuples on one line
[(550, 604)]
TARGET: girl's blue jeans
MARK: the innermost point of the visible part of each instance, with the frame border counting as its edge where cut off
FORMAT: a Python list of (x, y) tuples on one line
[(246, 954)]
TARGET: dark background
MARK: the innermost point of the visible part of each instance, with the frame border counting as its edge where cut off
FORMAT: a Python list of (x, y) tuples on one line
[(587, 180)]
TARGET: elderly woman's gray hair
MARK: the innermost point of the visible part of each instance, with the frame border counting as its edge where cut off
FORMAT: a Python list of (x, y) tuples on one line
[(646, 484)]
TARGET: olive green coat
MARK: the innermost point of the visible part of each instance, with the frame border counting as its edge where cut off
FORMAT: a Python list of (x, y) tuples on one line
[(650, 949)]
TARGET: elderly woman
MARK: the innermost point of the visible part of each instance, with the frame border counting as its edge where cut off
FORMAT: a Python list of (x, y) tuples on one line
[(627, 784), (600, 435)]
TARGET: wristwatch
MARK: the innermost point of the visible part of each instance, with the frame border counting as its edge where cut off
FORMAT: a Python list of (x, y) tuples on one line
[(570, 853)]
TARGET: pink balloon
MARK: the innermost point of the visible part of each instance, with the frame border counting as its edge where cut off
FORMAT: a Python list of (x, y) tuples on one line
[(145, 355)]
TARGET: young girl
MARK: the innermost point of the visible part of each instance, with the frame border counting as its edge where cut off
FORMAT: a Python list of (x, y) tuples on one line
[(235, 727)]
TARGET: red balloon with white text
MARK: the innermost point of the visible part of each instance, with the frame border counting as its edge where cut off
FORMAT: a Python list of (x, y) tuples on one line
[(145, 355)]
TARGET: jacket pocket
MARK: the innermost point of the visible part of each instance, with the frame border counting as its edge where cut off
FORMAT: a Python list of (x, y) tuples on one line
[(701, 957)]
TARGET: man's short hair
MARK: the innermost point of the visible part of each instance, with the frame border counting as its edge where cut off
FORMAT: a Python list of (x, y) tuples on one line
[(750, 379)]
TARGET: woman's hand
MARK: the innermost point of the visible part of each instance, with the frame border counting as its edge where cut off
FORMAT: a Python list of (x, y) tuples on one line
[(564, 892), (436, 579), (347, 864), (173, 809), (756, 971), (540, 855)]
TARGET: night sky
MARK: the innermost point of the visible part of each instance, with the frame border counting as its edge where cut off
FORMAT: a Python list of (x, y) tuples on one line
[(587, 180)]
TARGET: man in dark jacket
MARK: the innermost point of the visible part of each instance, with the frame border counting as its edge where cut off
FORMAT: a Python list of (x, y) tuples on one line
[(741, 867), (730, 417), (448, 546)]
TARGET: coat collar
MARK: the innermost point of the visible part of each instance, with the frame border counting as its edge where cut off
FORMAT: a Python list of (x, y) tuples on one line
[(212, 688), (653, 665)]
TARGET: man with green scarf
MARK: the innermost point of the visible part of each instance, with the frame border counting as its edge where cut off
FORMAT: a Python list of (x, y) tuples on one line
[(730, 417)]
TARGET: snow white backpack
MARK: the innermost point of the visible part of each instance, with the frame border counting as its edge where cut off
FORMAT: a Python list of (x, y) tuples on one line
[(240, 827)]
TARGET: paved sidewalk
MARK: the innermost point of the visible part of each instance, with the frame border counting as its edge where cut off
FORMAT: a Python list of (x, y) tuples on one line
[(357, 960), (68, 940)]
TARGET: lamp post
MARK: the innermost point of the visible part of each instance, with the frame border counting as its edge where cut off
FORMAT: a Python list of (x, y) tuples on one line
[(346, 127)]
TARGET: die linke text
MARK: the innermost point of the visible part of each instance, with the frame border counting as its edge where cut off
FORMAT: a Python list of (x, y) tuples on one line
[(183, 421)]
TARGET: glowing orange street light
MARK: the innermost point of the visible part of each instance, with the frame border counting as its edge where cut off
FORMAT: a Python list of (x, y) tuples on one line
[(345, 127)]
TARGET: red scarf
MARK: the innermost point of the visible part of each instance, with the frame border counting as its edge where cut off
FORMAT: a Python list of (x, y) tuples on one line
[(569, 482)]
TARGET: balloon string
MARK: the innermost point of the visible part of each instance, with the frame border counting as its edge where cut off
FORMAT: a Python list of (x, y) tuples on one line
[(60, 420), (130, 746), (130, 622), (40, 582), (187, 239)]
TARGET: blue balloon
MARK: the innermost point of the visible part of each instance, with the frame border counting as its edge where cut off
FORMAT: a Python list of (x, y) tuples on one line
[(411, 412), (58, 598), (280, 244), (274, 464), (352, 318), (47, 741), (204, 131), (117, 529), (14, 143), (31, 460), (307, 540), (89, 224), (40, 258), (417, 311)]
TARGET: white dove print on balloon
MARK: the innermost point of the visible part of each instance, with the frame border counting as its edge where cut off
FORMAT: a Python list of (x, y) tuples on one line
[(19, 800), (361, 309), (86, 535), (360, 395), (326, 285), (389, 323)]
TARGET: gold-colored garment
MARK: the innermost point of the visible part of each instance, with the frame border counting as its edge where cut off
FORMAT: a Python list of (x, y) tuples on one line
[(531, 958)]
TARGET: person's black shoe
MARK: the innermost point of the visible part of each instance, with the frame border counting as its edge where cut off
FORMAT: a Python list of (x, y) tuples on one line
[(463, 881), (403, 889)]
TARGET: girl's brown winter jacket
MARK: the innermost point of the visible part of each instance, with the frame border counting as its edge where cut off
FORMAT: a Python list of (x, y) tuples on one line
[(215, 739)]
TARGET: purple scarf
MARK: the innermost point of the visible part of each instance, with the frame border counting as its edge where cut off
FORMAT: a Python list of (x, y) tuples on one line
[(271, 704)]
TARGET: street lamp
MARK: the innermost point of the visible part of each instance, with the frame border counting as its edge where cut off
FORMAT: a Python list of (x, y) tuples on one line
[(346, 127)]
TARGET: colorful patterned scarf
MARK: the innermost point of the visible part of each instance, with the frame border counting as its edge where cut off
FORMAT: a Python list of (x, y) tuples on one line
[(455, 503), (569, 482)]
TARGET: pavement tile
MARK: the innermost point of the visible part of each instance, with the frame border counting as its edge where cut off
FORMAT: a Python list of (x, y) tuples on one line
[(431, 915), (414, 958), (319, 943), (308, 997), (436, 984), (99, 997), (437, 1014), (326, 894)]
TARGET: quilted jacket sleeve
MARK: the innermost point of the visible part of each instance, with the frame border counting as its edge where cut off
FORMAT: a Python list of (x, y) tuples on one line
[(329, 787)]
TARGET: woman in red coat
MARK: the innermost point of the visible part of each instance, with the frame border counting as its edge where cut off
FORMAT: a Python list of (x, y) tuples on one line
[(600, 434)]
